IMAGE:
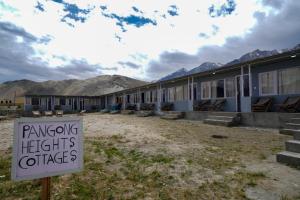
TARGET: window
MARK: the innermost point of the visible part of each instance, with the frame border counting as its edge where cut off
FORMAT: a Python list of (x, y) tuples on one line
[(179, 93), (217, 89), (213, 87), (230, 87), (205, 90), (57, 101), (28, 100), (164, 99), (267, 83), (220, 88), (62, 101), (35, 101), (154, 93), (148, 97), (185, 92), (289, 81), (70, 101), (171, 94)]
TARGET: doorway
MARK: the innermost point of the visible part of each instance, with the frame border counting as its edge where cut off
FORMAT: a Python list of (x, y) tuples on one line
[(143, 97), (49, 104)]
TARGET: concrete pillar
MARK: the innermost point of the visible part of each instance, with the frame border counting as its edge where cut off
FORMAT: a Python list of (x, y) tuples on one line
[(250, 81), (158, 97)]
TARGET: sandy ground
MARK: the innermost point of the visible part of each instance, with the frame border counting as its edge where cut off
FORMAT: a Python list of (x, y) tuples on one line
[(249, 148)]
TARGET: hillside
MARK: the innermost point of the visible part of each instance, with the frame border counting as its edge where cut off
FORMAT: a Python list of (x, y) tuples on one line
[(93, 86)]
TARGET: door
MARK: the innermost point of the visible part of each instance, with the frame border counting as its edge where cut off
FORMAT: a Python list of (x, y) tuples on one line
[(49, 104), (238, 93), (143, 97)]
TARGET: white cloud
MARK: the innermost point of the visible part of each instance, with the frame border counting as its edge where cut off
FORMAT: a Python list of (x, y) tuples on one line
[(95, 40)]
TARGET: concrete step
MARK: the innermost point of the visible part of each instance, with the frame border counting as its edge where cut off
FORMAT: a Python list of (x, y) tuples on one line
[(172, 115), (294, 120), (144, 113), (293, 146), (289, 158), (115, 112), (287, 131), (228, 114), (292, 126), (127, 112), (220, 117), (297, 135), (227, 123)]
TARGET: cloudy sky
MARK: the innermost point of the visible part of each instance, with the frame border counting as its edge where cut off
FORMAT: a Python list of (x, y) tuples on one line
[(62, 39)]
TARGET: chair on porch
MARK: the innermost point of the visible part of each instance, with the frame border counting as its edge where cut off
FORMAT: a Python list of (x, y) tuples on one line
[(290, 104), (217, 105), (36, 113), (48, 113), (82, 112), (59, 113), (201, 105), (262, 105)]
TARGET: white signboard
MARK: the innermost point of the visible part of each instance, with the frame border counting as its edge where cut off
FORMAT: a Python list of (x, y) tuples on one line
[(46, 147)]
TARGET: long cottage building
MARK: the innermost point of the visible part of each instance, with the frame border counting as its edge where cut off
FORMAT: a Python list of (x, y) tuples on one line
[(240, 85)]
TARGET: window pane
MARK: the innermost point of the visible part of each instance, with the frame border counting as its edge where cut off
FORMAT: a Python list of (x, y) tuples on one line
[(230, 87), (289, 81), (220, 88)]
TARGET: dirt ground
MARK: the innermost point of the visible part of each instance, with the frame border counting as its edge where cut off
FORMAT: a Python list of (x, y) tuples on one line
[(152, 158)]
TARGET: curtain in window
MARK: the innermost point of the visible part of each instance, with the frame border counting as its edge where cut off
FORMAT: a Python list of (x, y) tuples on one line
[(289, 81), (230, 87), (171, 94), (267, 83), (205, 87), (179, 93), (214, 89), (185, 92)]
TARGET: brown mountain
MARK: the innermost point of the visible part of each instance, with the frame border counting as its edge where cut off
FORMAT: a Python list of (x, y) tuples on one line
[(93, 86)]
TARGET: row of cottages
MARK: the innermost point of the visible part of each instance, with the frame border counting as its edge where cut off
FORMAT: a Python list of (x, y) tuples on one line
[(58, 102), (239, 84)]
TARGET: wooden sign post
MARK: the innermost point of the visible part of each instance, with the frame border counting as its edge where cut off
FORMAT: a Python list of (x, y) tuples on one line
[(46, 188), (46, 147)]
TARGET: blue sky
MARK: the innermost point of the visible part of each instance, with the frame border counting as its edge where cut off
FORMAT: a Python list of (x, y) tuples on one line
[(60, 39)]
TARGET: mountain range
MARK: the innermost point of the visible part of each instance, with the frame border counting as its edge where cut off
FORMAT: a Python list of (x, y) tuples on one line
[(206, 66), (90, 87), (104, 84)]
